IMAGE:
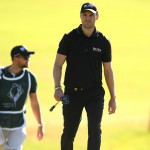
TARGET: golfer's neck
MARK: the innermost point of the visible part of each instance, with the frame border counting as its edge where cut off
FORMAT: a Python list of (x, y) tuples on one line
[(88, 31)]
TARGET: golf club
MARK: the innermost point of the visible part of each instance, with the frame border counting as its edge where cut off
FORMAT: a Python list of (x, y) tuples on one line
[(64, 99)]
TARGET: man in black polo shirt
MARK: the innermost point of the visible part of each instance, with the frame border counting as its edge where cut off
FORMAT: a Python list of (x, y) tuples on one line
[(85, 50)]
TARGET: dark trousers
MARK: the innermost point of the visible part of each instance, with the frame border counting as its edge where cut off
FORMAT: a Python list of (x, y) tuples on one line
[(93, 101)]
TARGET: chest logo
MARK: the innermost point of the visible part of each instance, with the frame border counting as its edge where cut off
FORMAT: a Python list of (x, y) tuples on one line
[(97, 49), (15, 92)]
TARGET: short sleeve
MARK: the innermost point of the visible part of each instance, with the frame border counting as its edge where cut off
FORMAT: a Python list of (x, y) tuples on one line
[(106, 56), (33, 83), (64, 45)]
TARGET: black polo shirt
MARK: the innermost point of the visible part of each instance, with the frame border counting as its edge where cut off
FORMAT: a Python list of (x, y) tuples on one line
[(84, 57)]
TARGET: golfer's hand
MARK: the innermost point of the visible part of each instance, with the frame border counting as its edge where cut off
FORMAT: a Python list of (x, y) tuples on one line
[(40, 132), (112, 106), (58, 93)]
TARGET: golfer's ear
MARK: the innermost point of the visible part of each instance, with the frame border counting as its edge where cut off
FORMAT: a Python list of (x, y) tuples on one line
[(97, 16), (80, 15)]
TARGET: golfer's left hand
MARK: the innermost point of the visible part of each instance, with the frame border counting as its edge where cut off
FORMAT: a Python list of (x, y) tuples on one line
[(112, 106)]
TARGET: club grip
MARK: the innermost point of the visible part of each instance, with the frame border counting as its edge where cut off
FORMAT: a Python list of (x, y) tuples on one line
[(51, 109)]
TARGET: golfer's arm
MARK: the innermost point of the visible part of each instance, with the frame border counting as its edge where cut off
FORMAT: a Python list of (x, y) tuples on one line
[(109, 77), (57, 71), (35, 107)]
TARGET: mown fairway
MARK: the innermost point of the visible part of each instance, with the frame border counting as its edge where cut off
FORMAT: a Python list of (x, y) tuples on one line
[(40, 24)]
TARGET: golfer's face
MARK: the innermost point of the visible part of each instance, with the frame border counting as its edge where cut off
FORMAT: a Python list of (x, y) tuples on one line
[(88, 19)]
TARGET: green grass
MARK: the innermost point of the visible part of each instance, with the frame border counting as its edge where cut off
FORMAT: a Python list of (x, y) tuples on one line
[(41, 24)]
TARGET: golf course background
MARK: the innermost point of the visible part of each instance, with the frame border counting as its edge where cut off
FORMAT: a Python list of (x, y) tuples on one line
[(40, 25)]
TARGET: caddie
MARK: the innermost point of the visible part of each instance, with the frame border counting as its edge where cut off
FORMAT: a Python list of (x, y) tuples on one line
[(16, 83)]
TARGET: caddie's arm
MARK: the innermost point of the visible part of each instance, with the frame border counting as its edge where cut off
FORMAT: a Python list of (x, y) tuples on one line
[(109, 77), (37, 113), (57, 72)]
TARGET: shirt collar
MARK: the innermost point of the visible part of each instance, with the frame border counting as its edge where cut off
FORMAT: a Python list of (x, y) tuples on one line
[(80, 32), (9, 74)]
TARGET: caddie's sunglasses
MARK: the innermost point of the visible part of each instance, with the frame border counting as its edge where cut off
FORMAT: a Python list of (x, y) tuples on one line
[(25, 57)]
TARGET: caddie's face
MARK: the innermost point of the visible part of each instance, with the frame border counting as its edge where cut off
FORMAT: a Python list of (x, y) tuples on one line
[(23, 61), (88, 19)]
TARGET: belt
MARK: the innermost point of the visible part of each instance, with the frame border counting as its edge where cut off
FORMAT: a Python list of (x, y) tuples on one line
[(77, 89)]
